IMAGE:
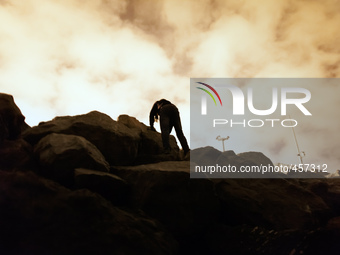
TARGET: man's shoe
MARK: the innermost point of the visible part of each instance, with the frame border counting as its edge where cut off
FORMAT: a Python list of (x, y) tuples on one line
[(187, 155)]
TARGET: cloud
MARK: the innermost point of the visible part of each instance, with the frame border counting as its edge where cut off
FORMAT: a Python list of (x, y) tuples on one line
[(65, 57), (266, 39)]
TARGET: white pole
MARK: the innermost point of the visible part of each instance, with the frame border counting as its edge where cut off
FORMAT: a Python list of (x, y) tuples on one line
[(297, 145), (219, 138)]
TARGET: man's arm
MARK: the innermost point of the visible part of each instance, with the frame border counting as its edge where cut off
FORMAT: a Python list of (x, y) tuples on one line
[(153, 113)]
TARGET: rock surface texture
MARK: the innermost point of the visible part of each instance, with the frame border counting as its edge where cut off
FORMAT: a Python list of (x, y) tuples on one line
[(60, 154), (116, 142), (87, 184), (122, 142), (12, 122)]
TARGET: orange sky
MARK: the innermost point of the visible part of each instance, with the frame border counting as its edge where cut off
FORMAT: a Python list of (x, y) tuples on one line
[(67, 57)]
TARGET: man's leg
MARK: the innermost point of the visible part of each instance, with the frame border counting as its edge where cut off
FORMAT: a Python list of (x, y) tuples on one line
[(180, 135), (165, 130)]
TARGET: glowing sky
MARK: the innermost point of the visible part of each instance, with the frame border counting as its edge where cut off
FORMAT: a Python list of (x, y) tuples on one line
[(67, 57)]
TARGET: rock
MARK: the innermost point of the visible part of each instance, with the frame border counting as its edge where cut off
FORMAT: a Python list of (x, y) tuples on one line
[(334, 224), (123, 142), (228, 154), (245, 239), (12, 122), (272, 203), (302, 173), (209, 156), (206, 216), (258, 240), (110, 186), (132, 122), (256, 157), (336, 174), (118, 143), (255, 161), (60, 154), (38, 216), (187, 207), (150, 148), (17, 155), (205, 155), (258, 164), (328, 190)]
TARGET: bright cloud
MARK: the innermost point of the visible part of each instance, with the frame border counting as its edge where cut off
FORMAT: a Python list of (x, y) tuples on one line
[(66, 57)]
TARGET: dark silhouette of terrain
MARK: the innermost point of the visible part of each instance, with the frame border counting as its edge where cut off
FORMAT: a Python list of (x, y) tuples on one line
[(88, 184)]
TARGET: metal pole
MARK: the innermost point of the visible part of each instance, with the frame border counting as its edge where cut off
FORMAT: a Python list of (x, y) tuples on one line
[(297, 145), (219, 138)]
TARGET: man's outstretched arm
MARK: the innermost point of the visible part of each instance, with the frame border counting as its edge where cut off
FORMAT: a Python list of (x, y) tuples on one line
[(153, 113)]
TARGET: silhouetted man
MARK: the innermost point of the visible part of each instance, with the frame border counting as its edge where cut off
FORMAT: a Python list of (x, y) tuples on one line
[(169, 115)]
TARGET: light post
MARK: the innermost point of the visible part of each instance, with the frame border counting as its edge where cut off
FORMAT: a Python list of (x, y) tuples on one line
[(300, 154), (219, 138)]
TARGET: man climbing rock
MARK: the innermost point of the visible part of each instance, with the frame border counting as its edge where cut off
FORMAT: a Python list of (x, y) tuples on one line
[(169, 118)]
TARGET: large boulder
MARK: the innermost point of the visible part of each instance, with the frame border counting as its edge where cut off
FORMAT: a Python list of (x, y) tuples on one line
[(118, 143), (150, 148), (110, 186), (12, 122), (256, 157), (187, 207), (38, 216), (123, 142), (60, 154), (205, 155), (132, 122), (327, 189), (17, 155), (250, 240), (245, 165), (272, 203)]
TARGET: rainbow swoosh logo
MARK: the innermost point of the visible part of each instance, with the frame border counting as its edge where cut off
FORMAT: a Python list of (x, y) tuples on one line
[(209, 93)]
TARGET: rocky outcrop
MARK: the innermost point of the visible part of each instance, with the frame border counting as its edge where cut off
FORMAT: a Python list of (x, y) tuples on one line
[(209, 156), (110, 186), (60, 154), (336, 174), (124, 196), (17, 155), (187, 207), (123, 142), (255, 157), (257, 240), (118, 144), (328, 190), (272, 203), (12, 122), (150, 147), (38, 216), (132, 123)]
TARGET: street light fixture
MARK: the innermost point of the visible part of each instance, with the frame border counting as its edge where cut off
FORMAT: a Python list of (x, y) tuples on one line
[(219, 138)]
